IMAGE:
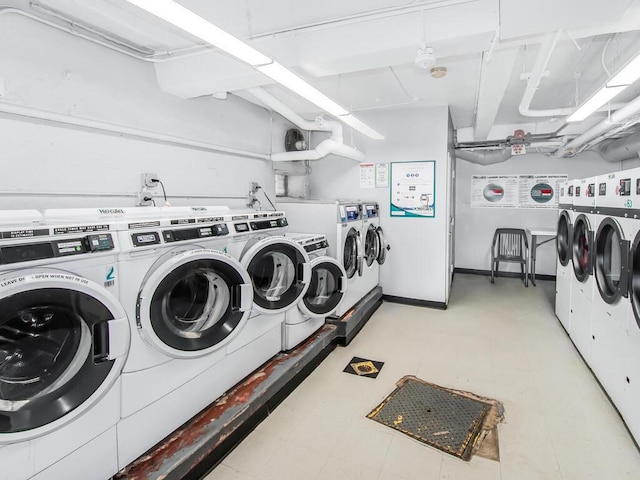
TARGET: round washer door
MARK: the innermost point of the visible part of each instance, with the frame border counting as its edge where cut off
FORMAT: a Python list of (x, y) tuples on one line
[(280, 272), (352, 253), (634, 278), (63, 342), (563, 238), (382, 241), (193, 302), (327, 288), (582, 246), (611, 261), (371, 245)]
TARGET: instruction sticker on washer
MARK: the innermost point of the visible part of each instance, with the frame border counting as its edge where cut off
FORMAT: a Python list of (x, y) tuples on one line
[(413, 189)]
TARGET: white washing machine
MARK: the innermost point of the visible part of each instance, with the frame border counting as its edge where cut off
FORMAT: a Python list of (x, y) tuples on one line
[(341, 222), (583, 284), (375, 245), (564, 268), (280, 272), (186, 300), (64, 338), (615, 230), (326, 291)]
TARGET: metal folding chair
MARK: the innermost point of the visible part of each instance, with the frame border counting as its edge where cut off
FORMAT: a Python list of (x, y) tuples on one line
[(510, 245)]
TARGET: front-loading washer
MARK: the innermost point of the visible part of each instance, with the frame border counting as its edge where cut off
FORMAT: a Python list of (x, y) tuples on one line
[(187, 300), (326, 291), (582, 282), (64, 338), (375, 245), (564, 269), (615, 230)]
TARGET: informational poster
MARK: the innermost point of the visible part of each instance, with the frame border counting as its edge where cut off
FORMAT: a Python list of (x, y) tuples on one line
[(382, 175), (413, 189), (515, 191), (367, 175)]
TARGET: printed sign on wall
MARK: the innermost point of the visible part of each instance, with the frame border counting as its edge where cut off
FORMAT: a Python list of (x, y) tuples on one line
[(413, 189), (515, 191)]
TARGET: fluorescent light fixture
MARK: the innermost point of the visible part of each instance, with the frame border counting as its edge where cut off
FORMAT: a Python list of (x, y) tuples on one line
[(181, 17), (293, 82), (360, 126), (187, 20), (597, 100), (621, 80)]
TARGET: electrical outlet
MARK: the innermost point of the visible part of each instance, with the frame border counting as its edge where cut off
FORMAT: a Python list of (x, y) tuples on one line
[(150, 179), (145, 198)]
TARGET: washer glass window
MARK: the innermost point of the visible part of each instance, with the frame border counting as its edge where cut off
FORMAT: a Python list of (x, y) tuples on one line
[(371, 245), (350, 255), (325, 290), (563, 238), (609, 260), (581, 248)]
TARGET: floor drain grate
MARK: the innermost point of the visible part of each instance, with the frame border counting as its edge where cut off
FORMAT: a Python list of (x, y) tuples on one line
[(434, 415), (363, 367)]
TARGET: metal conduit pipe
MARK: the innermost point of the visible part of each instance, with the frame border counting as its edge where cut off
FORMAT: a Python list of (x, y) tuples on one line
[(484, 158), (542, 60), (621, 149), (619, 116)]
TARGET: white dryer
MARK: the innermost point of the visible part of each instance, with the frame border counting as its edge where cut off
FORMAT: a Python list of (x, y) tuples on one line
[(583, 284), (326, 291), (280, 272), (564, 269), (64, 338), (186, 300), (375, 245)]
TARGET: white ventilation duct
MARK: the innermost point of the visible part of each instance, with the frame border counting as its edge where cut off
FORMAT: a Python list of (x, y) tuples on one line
[(333, 145), (487, 157), (620, 149)]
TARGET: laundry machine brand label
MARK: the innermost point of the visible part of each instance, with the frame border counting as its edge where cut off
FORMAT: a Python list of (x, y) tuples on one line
[(137, 225), (25, 233), (110, 211), (80, 229)]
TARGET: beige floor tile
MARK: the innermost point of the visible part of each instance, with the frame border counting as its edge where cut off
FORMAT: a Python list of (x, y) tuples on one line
[(410, 459), (223, 472), (476, 469), (253, 453), (293, 462), (360, 443), (339, 469)]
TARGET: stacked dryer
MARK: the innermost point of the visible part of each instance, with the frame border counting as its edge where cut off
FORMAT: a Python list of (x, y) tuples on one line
[(64, 338), (564, 270), (326, 291), (583, 284)]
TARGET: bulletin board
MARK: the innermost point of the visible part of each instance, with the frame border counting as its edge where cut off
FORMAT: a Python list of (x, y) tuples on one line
[(412, 189)]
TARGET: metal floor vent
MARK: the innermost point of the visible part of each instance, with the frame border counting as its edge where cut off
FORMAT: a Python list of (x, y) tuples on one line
[(434, 415)]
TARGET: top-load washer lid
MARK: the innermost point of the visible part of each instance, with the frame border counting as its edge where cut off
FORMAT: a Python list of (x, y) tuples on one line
[(371, 245), (193, 301), (280, 272), (563, 238), (327, 288), (352, 254), (63, 341), (611, 261), (582, 246)]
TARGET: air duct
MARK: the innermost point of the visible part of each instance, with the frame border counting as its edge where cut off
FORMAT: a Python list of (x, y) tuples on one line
[(333, 145), (487, 157), (621, 149)]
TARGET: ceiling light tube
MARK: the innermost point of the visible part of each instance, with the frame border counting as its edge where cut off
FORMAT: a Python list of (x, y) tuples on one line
[(597, 100), (187, 20), (293, 82), (629, 74), (360, 126)]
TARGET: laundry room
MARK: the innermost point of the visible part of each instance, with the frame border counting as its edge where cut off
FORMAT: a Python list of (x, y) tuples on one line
[(282, 239)]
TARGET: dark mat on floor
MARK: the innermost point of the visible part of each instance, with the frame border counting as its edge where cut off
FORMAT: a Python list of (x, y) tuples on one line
[(364, 367), (453, 421)]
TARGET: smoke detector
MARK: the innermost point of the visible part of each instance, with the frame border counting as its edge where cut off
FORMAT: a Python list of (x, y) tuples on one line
[(438, 72), (425, 58)]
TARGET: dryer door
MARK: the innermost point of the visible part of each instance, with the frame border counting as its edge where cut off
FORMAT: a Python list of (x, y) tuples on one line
[(371, 245), (611, 261), (382, 241), (352, 253), (280, 272), (634, 278), (193, 301), (582, 246), (327, 288), (63, 340), (563, 238)]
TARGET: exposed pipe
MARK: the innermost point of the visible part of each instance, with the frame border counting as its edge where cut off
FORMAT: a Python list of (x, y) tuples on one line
[(484, 158), (333, 145), (621, 149), (619, 116), (58, 118), (544, 55)]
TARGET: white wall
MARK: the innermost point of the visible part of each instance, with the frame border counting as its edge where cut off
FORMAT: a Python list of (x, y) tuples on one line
[(53, 71), (416, 264), (475, 226)]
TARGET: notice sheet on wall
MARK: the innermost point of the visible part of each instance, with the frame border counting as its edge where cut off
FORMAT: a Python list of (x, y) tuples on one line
[(367, 175), (413, 189), (382, 175), (515, 191)]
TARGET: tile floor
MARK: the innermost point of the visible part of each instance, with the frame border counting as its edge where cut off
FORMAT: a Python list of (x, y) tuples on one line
[(501, 341)]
